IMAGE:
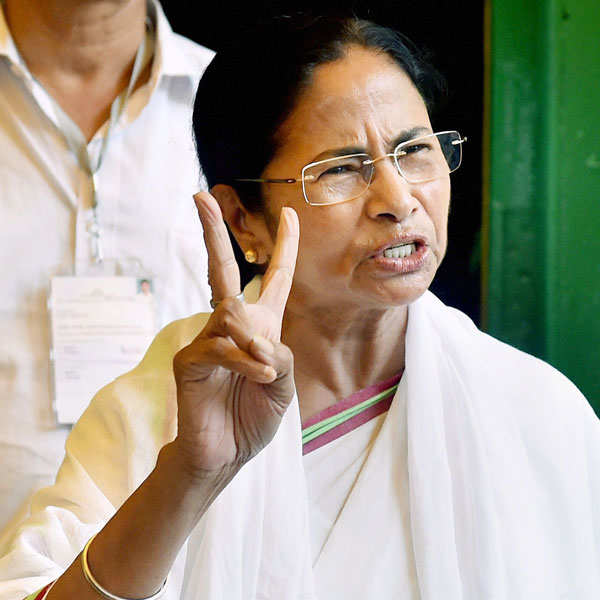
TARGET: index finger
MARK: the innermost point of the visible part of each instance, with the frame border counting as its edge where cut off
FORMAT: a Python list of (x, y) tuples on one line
[(223, 271), (278, 278)]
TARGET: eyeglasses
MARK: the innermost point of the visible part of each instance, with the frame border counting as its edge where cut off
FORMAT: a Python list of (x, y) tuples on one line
[(345, 178)]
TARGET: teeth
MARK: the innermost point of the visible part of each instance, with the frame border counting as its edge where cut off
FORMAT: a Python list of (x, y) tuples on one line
[(400, 251)]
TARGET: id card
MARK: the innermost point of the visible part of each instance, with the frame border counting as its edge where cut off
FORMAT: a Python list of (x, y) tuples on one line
[(101, 327)]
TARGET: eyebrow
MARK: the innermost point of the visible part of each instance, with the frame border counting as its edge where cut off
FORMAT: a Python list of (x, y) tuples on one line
[(410, 134), (403, 136)]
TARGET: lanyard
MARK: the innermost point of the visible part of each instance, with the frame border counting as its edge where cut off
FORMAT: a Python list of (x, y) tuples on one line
[(78, 144)]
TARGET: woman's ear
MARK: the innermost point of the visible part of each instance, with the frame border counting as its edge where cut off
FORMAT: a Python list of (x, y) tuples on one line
[(249, 229)]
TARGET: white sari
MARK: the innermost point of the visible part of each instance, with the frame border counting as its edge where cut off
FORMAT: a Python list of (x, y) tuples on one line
[(359, 521), (483, 483), (502, 465)]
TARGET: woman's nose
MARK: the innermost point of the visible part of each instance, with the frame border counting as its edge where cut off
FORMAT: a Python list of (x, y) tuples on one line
[(390, 196)]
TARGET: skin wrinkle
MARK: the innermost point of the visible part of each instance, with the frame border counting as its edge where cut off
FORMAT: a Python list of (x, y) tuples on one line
[(285, 133), (372, 332)]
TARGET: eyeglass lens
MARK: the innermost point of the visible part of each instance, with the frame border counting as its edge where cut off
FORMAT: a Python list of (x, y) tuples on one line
[(422, 159)]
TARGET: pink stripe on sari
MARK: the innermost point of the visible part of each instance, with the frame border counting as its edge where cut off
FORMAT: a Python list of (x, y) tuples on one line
[(354, 422)]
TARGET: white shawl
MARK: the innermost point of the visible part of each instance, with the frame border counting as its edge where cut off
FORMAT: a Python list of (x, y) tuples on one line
[(503, 459)]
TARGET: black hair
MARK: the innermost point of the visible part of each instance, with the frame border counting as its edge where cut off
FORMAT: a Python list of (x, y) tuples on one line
[(253, 84)]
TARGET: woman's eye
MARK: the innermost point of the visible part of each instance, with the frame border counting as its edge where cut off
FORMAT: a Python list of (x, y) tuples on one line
[(340, 170), (336, 170), (415, 148)]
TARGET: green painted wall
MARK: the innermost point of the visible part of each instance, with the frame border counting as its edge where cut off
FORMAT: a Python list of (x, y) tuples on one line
[(542, 211)]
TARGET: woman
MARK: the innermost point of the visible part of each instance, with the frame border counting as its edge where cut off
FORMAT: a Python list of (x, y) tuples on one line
[(481, 479)]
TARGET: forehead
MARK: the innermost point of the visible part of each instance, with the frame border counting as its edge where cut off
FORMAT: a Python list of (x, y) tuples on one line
[(363, 98)]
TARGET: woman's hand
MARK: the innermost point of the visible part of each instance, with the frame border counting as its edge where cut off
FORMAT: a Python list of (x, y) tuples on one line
[(235, 380)]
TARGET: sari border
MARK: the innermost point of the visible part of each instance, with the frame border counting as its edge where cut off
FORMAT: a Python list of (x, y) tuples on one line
[(357, 420), (352, 400), (41, 594)]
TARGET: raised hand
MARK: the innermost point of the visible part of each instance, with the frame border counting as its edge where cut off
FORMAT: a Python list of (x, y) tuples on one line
[(235, 380)]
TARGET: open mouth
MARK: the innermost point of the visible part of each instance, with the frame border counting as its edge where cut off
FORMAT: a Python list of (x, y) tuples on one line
[(404, 256), (400, 251)]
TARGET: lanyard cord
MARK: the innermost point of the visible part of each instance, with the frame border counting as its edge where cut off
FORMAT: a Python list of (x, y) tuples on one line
[(78, 144)]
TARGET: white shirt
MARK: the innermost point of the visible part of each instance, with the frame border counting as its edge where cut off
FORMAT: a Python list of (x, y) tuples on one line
[(146, 211)]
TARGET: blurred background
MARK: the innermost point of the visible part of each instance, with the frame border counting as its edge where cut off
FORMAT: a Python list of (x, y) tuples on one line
[(523, 85)]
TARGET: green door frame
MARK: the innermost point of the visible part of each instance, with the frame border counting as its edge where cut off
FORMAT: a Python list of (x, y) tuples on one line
[(541, 162)]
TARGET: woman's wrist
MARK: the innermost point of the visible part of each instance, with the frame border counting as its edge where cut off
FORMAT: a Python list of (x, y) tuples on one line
[(178, 460), (132, 556), (89, 577)]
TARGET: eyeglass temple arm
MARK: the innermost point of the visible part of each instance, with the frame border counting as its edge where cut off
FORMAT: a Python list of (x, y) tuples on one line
[(268, 180)]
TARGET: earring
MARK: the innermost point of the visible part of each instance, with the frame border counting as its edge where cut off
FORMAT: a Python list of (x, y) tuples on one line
[(250, 256)]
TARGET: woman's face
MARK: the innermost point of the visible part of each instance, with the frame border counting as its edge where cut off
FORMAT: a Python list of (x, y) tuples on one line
[(363, 101)]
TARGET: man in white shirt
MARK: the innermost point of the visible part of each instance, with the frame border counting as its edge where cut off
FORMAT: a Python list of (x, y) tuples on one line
[(64, 66)]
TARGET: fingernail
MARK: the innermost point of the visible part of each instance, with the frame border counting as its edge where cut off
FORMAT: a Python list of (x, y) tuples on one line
[(263, 345), (198, 201), (270, 373), (288, 214)]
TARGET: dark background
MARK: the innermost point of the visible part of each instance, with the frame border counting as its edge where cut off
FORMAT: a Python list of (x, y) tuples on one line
[(453, 32)]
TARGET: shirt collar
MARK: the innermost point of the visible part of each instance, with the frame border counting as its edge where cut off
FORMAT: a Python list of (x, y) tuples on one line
[(169, 59)]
